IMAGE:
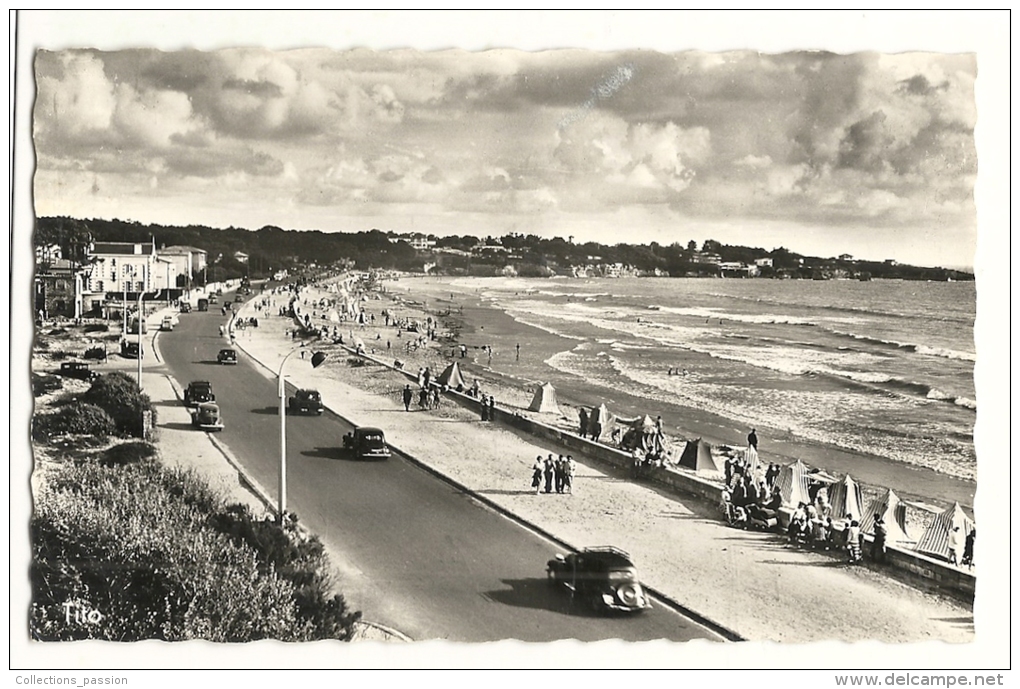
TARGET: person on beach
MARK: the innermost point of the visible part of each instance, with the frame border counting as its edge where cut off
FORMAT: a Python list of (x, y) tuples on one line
[(518, 351), (878, 544), (728, 470), (492, 408), (559, 468), (536, 474), (485, 408), (853, 542), (752, 439), (549, 471), (423, 398), (408, 397), (583, 425)]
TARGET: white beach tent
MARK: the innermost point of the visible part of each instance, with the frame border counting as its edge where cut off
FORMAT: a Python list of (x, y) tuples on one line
[(752, 460), (793, 484), (845, 499), (935, 539), (544, 401), (602, 417), (893, 513)]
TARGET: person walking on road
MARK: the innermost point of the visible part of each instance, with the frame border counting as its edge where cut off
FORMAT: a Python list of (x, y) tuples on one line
[(408, 397), (568, 474)]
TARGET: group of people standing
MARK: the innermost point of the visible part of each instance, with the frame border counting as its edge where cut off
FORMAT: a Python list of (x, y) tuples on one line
[(558, 474)]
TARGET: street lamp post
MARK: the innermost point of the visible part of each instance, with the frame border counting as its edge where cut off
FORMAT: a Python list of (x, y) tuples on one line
[(317, 359)]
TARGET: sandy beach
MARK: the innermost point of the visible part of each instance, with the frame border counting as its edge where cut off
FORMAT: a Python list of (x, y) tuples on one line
[(740, 579)]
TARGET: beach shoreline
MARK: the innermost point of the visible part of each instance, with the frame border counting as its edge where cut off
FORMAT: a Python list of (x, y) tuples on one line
[(481, 321)]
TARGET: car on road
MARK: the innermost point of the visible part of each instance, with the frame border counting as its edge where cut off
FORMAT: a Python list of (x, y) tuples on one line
[(603, 577), (198, 392), (185, 307), (167, 324), (207, 417), (238, 298), (213, 299), (79, 370), (367, 442), (227, 356), (305, 402)]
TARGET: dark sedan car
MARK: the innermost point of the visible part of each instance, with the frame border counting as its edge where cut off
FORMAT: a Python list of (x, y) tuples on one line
[(197, 392), (367, 442), (227, 356), (305, 402), (602, 577), (79, 370)]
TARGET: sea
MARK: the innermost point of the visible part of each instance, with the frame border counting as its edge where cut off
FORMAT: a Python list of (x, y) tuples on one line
[(884, 367)]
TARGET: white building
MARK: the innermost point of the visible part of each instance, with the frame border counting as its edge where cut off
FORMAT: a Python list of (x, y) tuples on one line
[(130, 267), (763, 262), (188, 260)]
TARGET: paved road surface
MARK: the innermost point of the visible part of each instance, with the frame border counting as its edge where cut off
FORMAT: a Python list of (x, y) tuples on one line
[(424, 557)]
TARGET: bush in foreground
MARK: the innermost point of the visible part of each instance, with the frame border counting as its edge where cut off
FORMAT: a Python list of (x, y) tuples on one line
[(146, 548), (123, 400), (77, 418)]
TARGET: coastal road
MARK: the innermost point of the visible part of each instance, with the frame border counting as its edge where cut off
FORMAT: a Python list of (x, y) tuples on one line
[(419, 555)]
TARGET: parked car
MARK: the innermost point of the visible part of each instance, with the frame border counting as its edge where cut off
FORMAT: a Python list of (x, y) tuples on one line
[(197, 392), (227, 356), (602, 577), (367, 442), (130, 349), (213, 299), (185, 307), (79, 370), (167, 324), (43, 383), (207, 417), (305, 402), (203, 304), (238, 298)]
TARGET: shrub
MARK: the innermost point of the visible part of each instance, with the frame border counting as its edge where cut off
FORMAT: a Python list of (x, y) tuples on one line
[(77, 418), (98, 353), (128, 453), (123, 400), (96, 328)]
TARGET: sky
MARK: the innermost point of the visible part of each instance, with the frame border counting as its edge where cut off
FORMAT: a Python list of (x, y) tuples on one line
[(824, 153)]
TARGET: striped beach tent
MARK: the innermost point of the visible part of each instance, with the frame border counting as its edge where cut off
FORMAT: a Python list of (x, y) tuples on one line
[(793, 484), (935, 539), (893, 513), (845, 499)]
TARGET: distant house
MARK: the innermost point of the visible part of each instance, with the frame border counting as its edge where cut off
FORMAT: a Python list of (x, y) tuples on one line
[(763, 262), (241, 257), (187, 260), (120, 268), (48, 254), (706, 258), (58, 289), (846, 257)]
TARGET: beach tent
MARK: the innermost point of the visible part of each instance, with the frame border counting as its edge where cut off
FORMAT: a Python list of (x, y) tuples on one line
[(452, 377), (334, 316), (752, 461), (935, 539), (544, 401), (599, 415), (793, 484), (845, 499), (697, 455), (893, 513)]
